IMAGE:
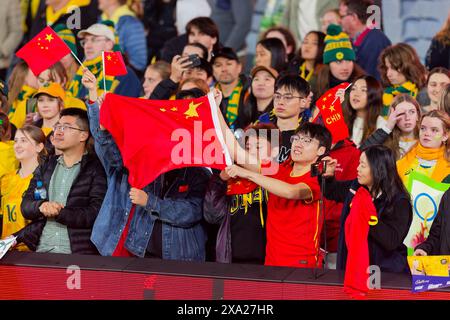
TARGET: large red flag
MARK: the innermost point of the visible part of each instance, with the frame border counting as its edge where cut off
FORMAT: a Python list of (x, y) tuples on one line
[(43, 51), (331, 111), (114, 64), (156, 136)]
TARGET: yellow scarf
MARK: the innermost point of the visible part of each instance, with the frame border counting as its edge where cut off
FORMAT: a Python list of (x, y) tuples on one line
[(53, 16), (303, 74), (408, 163), (120, 12), (390, 92)]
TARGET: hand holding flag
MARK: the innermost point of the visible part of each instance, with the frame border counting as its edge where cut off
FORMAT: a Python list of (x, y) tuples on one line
[(330, 108)]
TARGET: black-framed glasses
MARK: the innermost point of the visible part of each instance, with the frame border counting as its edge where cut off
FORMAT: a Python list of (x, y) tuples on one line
[(64, 127), (303, 139), (287, 97)]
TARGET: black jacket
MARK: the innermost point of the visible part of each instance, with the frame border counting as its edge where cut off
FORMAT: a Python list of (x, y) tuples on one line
[(385, 241), (83, 203), (438, 241)]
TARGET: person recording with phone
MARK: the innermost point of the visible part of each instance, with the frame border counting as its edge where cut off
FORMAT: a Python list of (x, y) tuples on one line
[(187, 66), (377, 189), (294, 221)]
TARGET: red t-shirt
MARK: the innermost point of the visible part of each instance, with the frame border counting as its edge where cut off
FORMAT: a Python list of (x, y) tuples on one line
[(120, 249), (294, 226)]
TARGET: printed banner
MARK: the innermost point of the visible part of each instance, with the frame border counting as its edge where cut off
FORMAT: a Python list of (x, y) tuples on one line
[(426, 195)]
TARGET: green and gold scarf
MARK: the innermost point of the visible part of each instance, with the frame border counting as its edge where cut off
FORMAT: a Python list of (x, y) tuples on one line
[(390, 92), (96, 67), (233, 103)]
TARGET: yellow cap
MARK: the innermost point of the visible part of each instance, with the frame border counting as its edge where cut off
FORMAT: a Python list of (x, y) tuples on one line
[(52, 89)]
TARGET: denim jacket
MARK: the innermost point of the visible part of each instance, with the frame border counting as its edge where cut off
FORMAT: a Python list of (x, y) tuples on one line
[(180, 209)]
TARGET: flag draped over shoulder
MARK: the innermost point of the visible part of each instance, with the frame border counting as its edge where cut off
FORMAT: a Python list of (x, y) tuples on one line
[(331, 111), (43, 51), (156, 136)]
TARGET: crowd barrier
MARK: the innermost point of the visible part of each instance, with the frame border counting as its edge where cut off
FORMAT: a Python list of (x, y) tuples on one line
[(29, 275)]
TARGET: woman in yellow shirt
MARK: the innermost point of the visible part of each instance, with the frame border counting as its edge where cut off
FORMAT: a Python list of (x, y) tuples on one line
[(432, 154), (29, 151)]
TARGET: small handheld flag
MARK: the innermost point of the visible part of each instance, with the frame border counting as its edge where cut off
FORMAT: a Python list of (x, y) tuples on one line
[(43, 51)]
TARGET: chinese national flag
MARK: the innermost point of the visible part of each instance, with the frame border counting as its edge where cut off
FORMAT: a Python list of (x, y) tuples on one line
[(331, 111), (43, 51), (156, 136), (114, 64)]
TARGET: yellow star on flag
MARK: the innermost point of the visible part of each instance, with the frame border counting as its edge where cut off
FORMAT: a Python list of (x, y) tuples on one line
[(48, 37), (174, 109), (163, 110), (332, 108), (192, 111), (109, 57)]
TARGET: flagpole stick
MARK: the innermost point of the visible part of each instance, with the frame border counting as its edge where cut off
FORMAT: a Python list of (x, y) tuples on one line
[(76, 58), (104, 76), (344, 91)]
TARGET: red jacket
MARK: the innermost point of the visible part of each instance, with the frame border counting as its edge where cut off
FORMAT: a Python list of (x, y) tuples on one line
[(347, 155)]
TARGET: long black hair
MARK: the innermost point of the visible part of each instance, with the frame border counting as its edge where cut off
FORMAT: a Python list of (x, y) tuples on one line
[(277, 51), (384, 172)]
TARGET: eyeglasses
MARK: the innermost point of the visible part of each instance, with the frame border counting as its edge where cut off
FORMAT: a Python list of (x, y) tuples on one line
[(286, 97), (303, 139), (93, 40), (64, 127)]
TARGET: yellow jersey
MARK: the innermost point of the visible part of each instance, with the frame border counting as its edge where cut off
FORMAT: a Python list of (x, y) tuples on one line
[(12, 188)]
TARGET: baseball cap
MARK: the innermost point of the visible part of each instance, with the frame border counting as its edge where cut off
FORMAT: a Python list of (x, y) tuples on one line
[(98, 29), (225, 52), (271, 71), (52, 89)]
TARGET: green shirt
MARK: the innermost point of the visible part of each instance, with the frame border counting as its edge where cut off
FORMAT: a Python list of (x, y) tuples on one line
[(55, 237)]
